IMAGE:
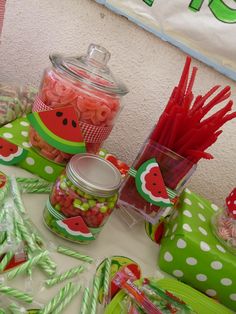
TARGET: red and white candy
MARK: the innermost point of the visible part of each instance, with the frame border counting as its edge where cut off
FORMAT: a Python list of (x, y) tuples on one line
[(226, 223)]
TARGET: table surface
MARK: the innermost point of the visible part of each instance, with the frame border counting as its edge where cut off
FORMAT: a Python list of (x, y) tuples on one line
[(116, 238)]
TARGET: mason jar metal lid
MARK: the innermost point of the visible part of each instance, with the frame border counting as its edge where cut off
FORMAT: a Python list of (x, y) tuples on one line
[(94, 175)]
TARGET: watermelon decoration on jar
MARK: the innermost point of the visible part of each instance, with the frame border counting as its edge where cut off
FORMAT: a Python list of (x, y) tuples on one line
[(83, 198), (86, 84)]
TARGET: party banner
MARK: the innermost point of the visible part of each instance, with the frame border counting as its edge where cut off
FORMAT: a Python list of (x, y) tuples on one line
[(203, 29)]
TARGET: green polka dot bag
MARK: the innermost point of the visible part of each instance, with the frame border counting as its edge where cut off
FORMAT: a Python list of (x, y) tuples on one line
[(15, 149), (190, 252)]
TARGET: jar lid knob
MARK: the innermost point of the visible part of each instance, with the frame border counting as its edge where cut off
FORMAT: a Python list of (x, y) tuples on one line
[(98, 54)]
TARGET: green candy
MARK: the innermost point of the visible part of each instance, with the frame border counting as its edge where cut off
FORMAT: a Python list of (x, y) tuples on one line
[(77, 203), (58, 207), (101, 199), (63, 185), (92, 203), (80, 192), (85, 206), (88, 196), (103, 209), (111, 205)]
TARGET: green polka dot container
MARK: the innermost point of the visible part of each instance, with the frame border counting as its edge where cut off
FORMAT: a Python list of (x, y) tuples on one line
[(15, 149), (82, 198), (191, 252)]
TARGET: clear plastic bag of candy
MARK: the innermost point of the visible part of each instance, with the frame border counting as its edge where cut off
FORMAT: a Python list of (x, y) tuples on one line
[(15, 102)]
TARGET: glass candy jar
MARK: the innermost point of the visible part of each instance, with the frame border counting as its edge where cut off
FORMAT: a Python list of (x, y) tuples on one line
[(224, 223), (82, 198), (86, 83)]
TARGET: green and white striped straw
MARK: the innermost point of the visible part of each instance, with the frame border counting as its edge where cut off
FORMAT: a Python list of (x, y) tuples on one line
[(106, 280), (15, 293), (74, 254), (57, 299), (85, 302), (6, 260), (66, 275), (67, 299), (2, 311), (95, 292), (25, 266), (16, 309), (17, 196)]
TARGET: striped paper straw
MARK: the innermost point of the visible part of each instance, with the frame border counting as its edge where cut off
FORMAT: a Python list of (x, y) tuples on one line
[(72, 253)]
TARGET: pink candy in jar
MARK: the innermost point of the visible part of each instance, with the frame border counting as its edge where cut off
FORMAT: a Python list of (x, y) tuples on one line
[(86, 83), (225, 222)]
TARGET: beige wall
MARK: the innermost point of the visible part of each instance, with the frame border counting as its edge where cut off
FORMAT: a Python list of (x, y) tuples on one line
[(149, 67)]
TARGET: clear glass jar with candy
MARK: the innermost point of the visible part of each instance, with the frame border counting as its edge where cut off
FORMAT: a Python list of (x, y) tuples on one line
[(86, 83), (82, 198), (224, 223)]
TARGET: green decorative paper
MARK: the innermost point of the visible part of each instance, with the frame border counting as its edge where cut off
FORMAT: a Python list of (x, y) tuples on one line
[(190, 251), (17, 132)]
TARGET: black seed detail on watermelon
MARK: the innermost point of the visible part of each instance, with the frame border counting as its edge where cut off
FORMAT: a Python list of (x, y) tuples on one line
[(155, 174), (0, 147), (154, 183), (65, 121), (73, 123), (59, 113)]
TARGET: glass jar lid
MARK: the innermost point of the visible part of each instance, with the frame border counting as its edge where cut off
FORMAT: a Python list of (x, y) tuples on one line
[(94, 175), (91, 69)]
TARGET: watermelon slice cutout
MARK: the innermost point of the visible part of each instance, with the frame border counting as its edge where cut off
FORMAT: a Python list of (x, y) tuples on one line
[(75, 228), (11, 154), (59, 128), (150, 184)]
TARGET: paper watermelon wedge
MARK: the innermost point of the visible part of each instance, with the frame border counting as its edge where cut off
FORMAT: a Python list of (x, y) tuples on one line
[(11, 154), (74, 228), (150, 184), (59, 128)]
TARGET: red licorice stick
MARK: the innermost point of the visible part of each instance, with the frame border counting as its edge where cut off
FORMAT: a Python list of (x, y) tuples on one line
[(199, 154), (184, 76), (194, 140), (208, 141), (159, 127), (215, 100), (192, 79), (219, 114), (200, 100), (171, 100), (174, 131), (226, 119)]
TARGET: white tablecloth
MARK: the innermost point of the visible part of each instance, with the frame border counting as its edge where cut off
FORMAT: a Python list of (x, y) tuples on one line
[(115, 239)]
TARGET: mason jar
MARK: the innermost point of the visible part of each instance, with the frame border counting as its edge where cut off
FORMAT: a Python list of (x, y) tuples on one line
[(83, 198), (86, 83)]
